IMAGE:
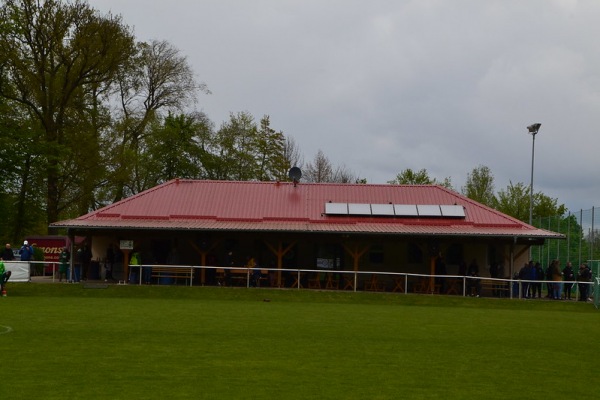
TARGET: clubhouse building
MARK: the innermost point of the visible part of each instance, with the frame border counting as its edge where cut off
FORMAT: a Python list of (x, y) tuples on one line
[(287, 226)]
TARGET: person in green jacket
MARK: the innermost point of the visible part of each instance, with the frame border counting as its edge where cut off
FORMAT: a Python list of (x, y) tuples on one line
[(4, 275), (63, 267)]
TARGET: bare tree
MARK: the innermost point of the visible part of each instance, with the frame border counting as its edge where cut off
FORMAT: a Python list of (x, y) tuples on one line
[(343, 174), (292, 153), (158, 80), (319, 170)]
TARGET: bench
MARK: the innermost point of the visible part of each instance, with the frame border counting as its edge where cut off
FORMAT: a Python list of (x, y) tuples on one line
[(175, 273), (497, 287), (240, 276)]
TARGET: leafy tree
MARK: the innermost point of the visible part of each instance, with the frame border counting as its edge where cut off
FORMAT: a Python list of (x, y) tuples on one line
[(270, 153), (21, 175), (514, 201), (174, 149), (480, 186), (545, 206), (156, 79), (421, 177), (233, 147), (54, 57)]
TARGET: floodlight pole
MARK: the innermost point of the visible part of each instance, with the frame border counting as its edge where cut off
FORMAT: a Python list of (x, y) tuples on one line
[(533, 130)]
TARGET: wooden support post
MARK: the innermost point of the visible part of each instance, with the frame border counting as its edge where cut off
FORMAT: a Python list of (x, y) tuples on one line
[(279, 252), (203, 254), (125, 265), (356, 253)]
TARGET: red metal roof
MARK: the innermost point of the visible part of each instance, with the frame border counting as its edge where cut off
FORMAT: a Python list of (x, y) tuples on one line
[(282, 206)]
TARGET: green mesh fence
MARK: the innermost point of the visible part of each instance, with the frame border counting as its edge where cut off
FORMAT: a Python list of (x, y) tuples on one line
[(581, 243), (580, 246)]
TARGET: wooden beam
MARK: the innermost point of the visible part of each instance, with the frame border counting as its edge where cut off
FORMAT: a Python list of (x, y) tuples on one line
[(356, 253), (126, 265), (279, 252), (203, 254)]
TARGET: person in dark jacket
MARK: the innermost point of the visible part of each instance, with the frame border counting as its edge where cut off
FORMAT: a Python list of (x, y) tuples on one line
[(7, 253), (26, 251), (568, 276), (585, 275), (539, 273), (473, 282)]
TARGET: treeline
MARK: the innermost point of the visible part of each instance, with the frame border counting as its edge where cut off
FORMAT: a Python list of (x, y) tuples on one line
[(514, 200), (89, 116)]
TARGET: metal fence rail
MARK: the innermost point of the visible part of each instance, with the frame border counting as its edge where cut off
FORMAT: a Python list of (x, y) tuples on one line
[(344, 280)]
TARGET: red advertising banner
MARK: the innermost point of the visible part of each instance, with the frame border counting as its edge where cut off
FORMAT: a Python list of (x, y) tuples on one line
[(51, 246)]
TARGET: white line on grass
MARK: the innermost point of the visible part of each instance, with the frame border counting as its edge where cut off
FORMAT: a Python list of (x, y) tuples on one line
[(5, 329)]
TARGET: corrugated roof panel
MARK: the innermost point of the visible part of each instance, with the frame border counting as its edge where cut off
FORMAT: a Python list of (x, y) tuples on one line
[(281, 206)]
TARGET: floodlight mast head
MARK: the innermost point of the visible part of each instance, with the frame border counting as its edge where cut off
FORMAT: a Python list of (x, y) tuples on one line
[(295, 174), (534, 128)]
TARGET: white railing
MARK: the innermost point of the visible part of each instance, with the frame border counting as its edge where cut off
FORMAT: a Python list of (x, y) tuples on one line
[(298, 278)]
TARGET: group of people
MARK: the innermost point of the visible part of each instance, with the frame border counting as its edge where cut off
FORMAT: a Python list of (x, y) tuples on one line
[(559, 282), (25, 252)]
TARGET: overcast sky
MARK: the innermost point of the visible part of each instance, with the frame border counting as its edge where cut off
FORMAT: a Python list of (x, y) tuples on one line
[(382, 86)]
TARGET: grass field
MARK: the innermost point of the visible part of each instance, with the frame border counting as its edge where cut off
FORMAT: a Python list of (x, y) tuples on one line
[(158, 342)]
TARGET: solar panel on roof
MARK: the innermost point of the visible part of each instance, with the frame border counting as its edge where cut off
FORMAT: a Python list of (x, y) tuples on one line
[(336, 208), (406, 210), (359, 209), (382, 209), (427, 210), (453, 211), (398, 210)]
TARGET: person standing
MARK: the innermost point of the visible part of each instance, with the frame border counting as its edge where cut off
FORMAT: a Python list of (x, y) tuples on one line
[(84, 254), (533, 277), (474, 281), (539, 274), (585, 275), (253, 267), (26, 251), (109, 263), (569, 277), (525, 277), (7, 253), (135, 262), (63, 266), (556, 280)]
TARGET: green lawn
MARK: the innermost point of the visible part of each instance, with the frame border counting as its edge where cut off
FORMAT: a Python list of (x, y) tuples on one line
[(129, 342)]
